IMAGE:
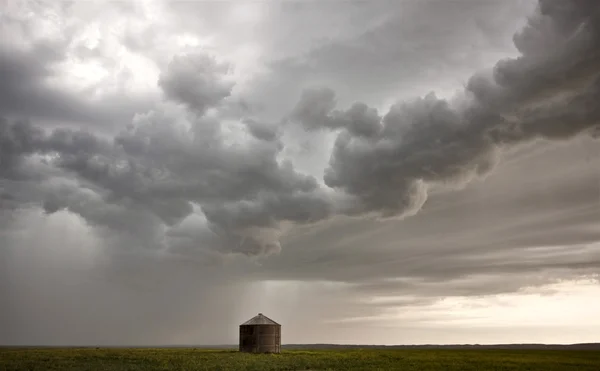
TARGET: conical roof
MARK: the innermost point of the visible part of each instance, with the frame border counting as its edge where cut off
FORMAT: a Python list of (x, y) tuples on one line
[(260, 319)]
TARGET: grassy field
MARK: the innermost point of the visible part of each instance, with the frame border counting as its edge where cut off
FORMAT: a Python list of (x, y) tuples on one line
[(190, 359)]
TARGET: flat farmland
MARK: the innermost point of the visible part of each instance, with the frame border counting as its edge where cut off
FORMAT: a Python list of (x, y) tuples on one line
[(113, 359)]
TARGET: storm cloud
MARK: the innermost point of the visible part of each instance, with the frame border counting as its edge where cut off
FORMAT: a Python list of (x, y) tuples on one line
[(152, 160), (387, 162), (171, 159)]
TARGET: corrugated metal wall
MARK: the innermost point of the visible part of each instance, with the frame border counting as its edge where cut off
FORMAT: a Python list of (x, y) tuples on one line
[(260, 338)]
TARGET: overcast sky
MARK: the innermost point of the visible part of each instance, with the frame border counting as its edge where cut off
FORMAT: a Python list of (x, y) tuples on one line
[(381, 172)]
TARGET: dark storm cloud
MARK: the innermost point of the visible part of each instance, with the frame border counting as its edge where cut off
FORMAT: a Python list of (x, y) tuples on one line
[(533, 221), (166, 161), (127, 238), (247, 189), (387, 162), (170, 161)]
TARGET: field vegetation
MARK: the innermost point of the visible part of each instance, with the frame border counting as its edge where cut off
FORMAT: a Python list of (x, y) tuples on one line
[(113, 359)]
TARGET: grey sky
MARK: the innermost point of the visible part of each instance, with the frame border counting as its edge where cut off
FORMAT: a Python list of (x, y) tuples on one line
[(404, 172)]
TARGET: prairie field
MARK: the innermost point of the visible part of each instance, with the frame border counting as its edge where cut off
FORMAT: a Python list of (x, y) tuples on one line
[(113, 359)]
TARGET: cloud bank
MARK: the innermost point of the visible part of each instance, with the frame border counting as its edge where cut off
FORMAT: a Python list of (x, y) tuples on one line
[(181, 157), (152, 154)]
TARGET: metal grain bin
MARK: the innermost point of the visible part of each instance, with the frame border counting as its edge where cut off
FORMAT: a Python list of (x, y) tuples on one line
[(260, 335)]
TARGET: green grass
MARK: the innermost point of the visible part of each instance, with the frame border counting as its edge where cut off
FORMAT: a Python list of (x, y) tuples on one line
[(191, 359)]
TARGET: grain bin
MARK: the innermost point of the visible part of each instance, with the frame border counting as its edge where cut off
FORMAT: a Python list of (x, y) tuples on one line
[(260, 335)]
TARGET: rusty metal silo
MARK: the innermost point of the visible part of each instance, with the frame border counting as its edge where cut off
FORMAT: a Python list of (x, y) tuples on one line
[(260, 335)]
